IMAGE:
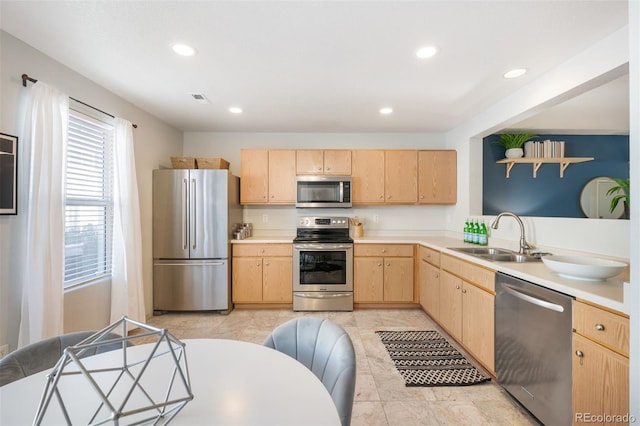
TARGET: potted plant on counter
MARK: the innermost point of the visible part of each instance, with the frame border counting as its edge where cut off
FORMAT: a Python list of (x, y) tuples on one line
[(513, 142), (622, 185)]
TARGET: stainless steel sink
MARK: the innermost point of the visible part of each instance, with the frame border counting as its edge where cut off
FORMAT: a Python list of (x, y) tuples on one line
[(498, 254), (482, 250), (513, 257)]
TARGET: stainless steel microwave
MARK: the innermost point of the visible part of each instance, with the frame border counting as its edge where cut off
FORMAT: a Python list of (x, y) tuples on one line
[(323, 191)]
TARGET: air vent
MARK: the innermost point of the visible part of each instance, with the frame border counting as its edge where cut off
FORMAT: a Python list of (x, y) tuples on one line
[(200, 98)]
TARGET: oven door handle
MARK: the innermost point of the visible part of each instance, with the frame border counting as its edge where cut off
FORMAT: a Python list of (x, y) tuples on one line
[(323, 246), (323, 295), (534, 300)]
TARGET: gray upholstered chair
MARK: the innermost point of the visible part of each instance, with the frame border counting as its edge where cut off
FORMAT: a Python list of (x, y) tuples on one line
[(42, 355), (325, 349)]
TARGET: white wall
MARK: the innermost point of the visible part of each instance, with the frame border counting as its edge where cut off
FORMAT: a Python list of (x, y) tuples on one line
[(391, 218), (604, 61), (154, 142)]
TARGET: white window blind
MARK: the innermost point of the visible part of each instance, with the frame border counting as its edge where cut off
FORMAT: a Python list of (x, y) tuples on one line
[(89, 200)]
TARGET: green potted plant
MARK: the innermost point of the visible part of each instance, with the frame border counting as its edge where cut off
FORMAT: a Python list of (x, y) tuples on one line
[(513, 142), (622, 186)]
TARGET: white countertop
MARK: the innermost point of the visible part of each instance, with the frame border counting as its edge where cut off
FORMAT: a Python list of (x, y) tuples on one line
[(609, 293)]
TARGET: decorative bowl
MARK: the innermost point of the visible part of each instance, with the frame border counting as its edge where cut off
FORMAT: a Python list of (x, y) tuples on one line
[(583, 267)]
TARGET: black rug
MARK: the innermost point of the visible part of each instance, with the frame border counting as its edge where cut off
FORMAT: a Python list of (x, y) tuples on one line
[(425, 358)]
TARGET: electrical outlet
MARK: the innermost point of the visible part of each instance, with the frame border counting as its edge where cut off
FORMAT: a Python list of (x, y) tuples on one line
[(265, 218), (4, 350), (376, 218)]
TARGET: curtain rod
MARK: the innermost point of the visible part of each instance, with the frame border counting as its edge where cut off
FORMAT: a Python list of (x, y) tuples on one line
[(26, 78)]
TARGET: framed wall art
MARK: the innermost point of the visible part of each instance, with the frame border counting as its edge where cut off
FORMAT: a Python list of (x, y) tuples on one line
[(8, 174)]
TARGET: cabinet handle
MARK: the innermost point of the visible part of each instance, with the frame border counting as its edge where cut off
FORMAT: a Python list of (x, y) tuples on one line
[(328, 168), (421, 197), (580, 355), (266, 263), (437, 275), (457, 287), (464, 291), (258, 264), (599, 327), (382, 197), (384, 250), (388, 264), (379, 264)]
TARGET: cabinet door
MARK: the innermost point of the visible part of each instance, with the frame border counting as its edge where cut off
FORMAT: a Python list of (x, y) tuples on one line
[(398, 279), (600, 381), (478, 323), (401, 176), (437, 177), (451, 304), (337, 162), (247, 279), (368, 279), (309, 162), (277, 279), (254, 176), (367, 176), (430, 289), (282, 176)]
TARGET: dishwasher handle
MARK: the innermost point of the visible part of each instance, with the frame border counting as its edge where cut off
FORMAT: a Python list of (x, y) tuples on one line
[(534, 300)]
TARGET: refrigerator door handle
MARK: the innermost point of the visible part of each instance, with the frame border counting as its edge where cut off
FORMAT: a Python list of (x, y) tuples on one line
[(194, 221), (185, 212), (189, 264)]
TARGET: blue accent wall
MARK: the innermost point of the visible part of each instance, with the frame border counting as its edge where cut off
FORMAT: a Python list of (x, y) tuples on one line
[(548, 194)]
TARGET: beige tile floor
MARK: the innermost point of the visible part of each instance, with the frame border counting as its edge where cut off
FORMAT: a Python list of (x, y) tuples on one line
[(381, 396)]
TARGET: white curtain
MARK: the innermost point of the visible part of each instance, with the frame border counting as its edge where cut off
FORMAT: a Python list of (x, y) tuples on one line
[(127, 290), (43, 258)]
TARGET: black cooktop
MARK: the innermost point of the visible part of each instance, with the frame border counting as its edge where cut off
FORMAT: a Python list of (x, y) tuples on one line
[(314, 229)]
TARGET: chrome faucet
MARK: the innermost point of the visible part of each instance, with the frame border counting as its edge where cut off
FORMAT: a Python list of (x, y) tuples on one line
[(525, 247)]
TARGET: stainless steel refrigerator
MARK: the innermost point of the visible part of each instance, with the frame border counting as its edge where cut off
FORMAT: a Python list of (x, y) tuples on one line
[(194, 213)]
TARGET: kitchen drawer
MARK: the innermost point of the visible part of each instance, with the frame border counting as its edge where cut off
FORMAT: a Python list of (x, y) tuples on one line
[(260, 250), (470, 272), (430, 255), (605, 327), (385, 250)]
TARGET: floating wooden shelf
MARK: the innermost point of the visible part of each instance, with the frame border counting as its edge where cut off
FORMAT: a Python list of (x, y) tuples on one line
[(537, 162)]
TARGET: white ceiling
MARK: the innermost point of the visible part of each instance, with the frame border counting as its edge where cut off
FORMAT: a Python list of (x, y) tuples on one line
[(313, 66)]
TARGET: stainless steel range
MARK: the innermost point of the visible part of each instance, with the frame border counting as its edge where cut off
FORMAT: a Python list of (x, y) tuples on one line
[(322, 264)]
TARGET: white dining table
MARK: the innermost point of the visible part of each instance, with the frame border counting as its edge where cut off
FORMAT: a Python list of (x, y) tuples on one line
[(232, 382)]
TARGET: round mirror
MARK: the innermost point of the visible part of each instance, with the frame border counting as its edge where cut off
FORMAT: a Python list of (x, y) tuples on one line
[(595, 202)]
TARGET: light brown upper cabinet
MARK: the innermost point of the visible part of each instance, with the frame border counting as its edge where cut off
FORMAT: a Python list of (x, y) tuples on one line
[(384, 176), (267, 176), (335, 162), (437, 173), (367, 176), (401, 176)]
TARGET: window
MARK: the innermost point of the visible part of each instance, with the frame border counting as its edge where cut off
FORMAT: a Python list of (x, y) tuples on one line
[(89, 202)]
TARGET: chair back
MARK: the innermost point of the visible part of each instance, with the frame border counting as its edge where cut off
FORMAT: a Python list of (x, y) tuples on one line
[(325, 349), (42, 355)]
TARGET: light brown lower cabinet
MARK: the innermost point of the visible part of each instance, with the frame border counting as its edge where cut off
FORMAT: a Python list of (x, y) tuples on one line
[(467, 307), (430, 281), (600, 366), (262, 273), (383, 273)]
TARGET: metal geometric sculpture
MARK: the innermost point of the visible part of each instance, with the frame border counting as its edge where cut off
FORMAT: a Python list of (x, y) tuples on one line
[(141, 384)]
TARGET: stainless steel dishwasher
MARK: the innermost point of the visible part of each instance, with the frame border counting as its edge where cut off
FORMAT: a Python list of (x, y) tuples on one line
[(533, 347)]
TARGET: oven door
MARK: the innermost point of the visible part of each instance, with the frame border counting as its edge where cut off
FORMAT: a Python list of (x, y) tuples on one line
[(324, 267)]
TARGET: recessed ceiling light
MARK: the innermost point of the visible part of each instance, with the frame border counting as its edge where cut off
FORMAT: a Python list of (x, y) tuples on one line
[(235, 110), (426, 52), (183, 49), (515, 73), (386, 111)]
